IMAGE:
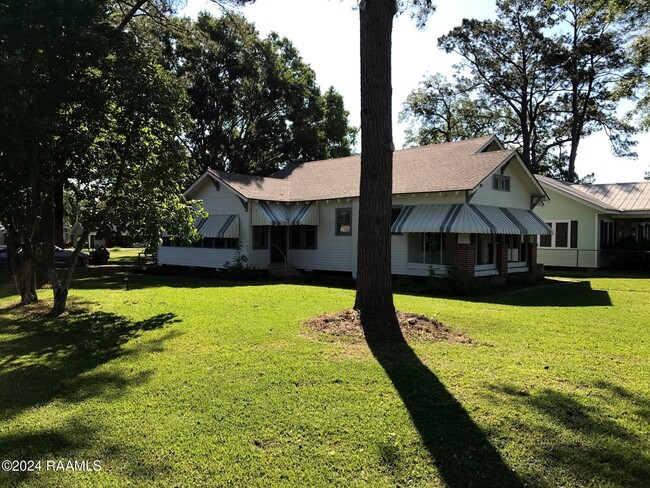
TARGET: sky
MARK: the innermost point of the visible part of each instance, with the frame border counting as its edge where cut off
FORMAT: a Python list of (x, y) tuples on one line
[(326, 33)]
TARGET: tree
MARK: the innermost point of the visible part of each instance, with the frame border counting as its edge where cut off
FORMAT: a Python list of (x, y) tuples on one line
[(561, 67), (254, 101), (511, 61), (635, 14), (440, 111), (374, 298), (92, 112), (597, 70)]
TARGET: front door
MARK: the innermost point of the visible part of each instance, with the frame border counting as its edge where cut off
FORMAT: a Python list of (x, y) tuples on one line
[(278, 243)]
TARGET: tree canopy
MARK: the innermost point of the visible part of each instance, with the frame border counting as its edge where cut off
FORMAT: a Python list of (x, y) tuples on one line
[(443, 111), (84, 106), (561, 68), (255, 103)]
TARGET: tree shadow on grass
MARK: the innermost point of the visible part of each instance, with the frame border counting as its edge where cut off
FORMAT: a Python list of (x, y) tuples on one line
[(461, 452), (551, 293), (582, 437), (76, 439), (43, 359)]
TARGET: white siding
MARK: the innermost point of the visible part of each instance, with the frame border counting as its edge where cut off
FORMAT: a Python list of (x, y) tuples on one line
[(225, 202), (333, 253), (562, 208), (339, 253), (521, 188), (195, 256)]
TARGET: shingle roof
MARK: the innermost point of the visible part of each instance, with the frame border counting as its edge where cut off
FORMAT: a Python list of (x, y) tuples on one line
[(614, 197), (454, 166)]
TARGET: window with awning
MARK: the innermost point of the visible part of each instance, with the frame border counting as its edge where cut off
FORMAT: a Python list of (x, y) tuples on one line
[(469, 219), (218, 226), (267, 213)]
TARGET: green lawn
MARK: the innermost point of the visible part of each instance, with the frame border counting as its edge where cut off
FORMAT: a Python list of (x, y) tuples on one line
[(188, 382)]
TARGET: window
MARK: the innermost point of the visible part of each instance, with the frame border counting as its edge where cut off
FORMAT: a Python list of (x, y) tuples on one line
[(561, 234), (500, 182), (260, 237), (425, 248), (302, 237), (343, 221), (565, 235), (514, 244), (485, 248), (606, 233)]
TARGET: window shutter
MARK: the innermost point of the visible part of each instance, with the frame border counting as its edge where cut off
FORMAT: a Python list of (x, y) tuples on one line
[(574, 234)]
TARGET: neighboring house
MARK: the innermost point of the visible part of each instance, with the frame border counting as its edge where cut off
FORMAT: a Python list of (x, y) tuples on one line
[(591, 223), (92, 240), (465, 203)]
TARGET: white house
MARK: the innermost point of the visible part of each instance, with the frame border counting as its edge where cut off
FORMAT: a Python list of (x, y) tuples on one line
[(467, 203), (590, 222)]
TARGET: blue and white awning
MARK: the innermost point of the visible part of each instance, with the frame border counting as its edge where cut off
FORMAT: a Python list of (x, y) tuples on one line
[(469, 219), (264, 213), (219, 226)]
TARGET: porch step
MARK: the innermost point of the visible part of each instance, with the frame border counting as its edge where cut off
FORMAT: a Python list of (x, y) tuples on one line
[(277, 270)]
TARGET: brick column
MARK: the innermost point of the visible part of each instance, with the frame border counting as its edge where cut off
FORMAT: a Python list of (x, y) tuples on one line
[(465, 258), (536, 271), (502, 262), (531, 256)]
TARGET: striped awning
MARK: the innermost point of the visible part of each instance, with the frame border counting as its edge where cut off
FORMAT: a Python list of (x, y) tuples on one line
[(530, 220), (220, 226), (265, 213), (469, 219)]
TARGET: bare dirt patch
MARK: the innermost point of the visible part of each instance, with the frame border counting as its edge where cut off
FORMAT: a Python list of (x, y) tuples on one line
[(347, 323)]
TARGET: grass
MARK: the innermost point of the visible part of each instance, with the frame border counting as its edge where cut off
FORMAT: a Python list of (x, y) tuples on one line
[(191, 382)]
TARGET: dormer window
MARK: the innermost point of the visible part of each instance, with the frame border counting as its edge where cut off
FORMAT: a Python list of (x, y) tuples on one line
[(501, 183)]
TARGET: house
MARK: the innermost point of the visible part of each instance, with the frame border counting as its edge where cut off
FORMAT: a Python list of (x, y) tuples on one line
[(466, 203), (592, 224)]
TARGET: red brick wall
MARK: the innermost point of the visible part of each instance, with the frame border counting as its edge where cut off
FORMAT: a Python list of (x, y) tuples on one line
[(465, 258), (502, 262), (502, 259), (531, 256)]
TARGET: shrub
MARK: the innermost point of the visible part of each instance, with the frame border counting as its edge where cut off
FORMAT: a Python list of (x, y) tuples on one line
[(454, 282)]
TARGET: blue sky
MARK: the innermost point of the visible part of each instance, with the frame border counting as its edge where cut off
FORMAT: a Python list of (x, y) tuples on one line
[(326, 32)]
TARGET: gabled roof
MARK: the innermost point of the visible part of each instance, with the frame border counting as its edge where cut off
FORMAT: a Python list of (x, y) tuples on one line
[(609, 198), (453, 166)]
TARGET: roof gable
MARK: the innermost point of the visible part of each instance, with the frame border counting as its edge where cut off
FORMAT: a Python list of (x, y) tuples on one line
[(528, 176)]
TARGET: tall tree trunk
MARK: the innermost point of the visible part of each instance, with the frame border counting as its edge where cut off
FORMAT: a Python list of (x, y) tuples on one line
[(46, 238), (374, 298), (58, 216), (23, 265)]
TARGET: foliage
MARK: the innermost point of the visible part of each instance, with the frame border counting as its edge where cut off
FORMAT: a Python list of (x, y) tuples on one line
[(441, 111), (454, 282), (239, 269), (255, 103), (561, 68), (94, 112), (556, 382)]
